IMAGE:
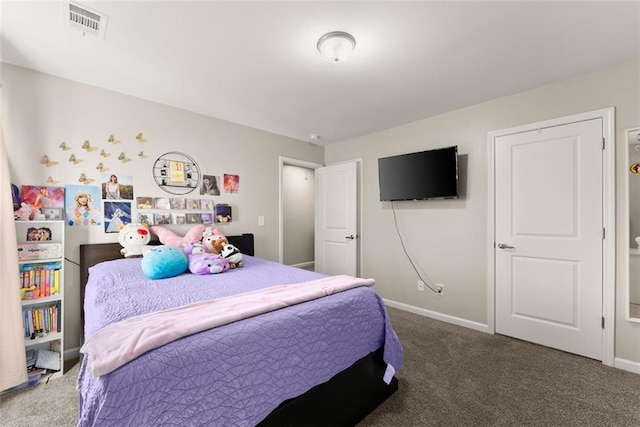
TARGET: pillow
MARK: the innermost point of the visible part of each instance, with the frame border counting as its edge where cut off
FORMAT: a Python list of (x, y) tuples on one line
[(162, 262), (169, 237)]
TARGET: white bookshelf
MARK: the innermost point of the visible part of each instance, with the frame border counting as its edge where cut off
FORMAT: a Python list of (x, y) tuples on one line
[(38, 261)]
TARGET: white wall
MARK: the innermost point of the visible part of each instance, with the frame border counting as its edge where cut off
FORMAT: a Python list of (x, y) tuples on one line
[(448, 239), (41, 111), (298, 201)]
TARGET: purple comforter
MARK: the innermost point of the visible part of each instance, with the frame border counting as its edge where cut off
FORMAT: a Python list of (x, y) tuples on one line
[(235, 374)]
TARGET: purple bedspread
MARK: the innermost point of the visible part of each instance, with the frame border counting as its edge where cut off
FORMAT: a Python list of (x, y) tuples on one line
[(235, 374)]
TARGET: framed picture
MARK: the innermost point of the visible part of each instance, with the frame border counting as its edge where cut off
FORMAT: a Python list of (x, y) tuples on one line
[(222, 213), (52, 214), (178, 218), (38, 234), (145, 218), (161, 219), (207, 218), (193, 218), (144, 202)]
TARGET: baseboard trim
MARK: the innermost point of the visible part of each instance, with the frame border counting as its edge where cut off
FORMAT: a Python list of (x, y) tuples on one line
[(626, 365), (439, 316), (72, 353), (302, 264), (619, 363)]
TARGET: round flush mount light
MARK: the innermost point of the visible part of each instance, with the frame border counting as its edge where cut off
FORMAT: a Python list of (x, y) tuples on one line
[(336, 46)]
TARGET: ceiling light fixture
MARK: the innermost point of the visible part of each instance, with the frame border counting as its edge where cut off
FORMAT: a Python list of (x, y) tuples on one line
[(336, 46)]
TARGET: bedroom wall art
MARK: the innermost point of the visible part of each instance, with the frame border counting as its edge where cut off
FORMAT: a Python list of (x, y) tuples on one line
[(181, 210), (82, 205), (176, 173), (116, 215), (231, 183)]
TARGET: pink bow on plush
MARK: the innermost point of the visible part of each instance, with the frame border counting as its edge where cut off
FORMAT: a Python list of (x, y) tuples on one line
[(169, 237)]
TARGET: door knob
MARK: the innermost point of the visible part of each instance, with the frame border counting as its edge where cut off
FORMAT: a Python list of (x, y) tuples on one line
[(505, 246), (350, 237)]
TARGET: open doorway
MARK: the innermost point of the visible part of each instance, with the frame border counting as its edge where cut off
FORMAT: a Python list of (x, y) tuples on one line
[(297, 205)]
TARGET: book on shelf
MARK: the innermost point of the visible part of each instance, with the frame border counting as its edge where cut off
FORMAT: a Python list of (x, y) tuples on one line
[(40, 280), (39, 321)]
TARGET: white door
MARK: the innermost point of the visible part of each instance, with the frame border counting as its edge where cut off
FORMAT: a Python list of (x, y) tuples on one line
[(549, 236), (336, 242)]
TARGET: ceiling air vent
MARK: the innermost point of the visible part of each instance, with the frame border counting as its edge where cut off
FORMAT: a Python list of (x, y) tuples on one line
[(87, 20)]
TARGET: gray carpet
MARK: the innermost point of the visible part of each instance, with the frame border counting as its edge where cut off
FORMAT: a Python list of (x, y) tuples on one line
[(455, 376), (452, 376)]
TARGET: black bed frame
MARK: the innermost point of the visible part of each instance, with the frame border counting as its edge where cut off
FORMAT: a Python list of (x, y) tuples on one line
[(344, 400)]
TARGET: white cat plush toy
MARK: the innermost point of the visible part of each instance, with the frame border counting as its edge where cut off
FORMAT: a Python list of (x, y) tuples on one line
[(134, 238)]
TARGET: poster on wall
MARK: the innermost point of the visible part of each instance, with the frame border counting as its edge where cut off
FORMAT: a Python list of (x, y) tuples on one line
[(41, 198), (231, 183), (209, 185), (116, 216), (117, 187), (82, 205)]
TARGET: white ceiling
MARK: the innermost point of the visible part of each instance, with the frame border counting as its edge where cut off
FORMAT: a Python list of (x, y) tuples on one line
[(256, 63)]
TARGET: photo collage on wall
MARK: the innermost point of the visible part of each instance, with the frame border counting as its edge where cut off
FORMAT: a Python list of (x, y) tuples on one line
[(174, 210), (110, 204)]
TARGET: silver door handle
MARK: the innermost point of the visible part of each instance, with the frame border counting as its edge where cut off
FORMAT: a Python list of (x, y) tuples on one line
[(350, 237), (505, 246)]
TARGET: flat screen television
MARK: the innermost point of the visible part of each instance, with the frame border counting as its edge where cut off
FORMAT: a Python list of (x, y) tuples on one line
[(425, 175)]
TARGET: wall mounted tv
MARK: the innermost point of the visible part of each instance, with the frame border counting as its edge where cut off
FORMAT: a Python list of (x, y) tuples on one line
[(425, 175)]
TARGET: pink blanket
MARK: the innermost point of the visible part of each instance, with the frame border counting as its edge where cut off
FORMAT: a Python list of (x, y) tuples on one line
[(123, 341)]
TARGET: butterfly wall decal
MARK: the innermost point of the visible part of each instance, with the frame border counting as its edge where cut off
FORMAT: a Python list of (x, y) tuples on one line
[(86, 145), (45, 160), (84, 179)]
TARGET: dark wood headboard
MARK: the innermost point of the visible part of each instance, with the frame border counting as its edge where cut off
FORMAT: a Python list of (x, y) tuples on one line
[(92, 254)]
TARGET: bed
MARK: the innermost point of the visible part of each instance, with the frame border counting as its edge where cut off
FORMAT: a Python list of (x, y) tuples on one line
[(329, 361)]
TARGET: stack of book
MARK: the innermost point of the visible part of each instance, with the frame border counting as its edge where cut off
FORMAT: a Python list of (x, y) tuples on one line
[(40, 320), (40, 280)]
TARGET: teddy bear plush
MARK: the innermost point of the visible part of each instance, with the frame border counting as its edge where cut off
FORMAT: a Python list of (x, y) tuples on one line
[(213, 239), (232, 254), (201, 262), (134, 239)]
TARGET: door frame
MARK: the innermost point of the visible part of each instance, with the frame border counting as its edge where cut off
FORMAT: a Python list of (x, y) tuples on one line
[(607, 115), (293, 162)]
